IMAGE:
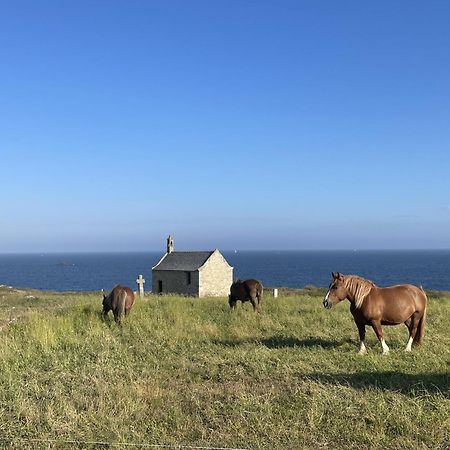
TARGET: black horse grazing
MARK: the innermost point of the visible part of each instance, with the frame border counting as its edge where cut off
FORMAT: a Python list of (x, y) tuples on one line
[(246, 291), (119, 301)]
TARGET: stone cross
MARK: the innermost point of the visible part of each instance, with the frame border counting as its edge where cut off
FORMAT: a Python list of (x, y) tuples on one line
[(140, 281)]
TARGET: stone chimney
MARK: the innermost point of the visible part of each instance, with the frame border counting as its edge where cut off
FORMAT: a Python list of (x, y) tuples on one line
[(170, 244)]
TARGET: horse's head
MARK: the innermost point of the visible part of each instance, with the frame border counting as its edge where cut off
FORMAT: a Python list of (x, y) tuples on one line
[(105, 302), (232, 301), (336, 291)]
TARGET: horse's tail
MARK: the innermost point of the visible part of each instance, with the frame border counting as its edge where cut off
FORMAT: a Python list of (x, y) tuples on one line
[(260, 292), (418, 338), (122, 303)]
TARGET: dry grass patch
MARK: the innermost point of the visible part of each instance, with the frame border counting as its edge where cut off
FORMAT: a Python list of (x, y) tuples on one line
[(189, 371)]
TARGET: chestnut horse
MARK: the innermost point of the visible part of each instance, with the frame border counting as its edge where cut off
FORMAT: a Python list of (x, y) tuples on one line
[(246, 291), (120, 301), (371, 305)]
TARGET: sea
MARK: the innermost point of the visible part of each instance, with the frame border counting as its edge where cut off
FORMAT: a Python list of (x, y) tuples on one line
[(293, 269)]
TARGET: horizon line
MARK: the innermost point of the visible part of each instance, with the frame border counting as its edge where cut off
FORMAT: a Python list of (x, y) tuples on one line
[(225, 250)]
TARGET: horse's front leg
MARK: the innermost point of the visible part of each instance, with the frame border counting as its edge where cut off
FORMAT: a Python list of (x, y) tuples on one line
[(362, 336), (376, 325), (361, 324)]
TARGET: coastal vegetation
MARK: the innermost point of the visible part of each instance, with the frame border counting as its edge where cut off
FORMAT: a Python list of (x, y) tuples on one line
[(188, 371)]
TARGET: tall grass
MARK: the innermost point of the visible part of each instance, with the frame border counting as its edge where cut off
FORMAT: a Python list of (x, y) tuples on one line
[(190, 371)]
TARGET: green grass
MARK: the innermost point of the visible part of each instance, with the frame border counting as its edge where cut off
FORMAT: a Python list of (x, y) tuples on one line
[(189, 371)]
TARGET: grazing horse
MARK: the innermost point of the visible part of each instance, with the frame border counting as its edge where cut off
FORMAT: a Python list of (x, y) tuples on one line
[(120, 301), (246, 291), (371, 305)]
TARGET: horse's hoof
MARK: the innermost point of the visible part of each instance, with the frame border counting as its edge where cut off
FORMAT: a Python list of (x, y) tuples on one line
[(407, 349), (386, 352), (362, 352)]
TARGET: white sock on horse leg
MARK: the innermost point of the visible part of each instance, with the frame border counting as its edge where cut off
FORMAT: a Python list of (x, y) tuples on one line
[(409, 344), (385, 347), (362, 348)]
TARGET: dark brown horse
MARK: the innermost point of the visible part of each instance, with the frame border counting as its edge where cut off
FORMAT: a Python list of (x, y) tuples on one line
[(246, 291), (119, 301), (374, 306)]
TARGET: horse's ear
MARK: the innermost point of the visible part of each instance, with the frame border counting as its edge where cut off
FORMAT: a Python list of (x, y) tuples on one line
[(340, 276), (334, 275)]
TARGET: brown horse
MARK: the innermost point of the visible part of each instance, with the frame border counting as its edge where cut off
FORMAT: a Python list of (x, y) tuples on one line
[(371, 305), (120, 301), (246, 291)]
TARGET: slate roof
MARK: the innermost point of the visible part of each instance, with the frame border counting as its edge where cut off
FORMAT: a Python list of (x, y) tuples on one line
[(186, 261)]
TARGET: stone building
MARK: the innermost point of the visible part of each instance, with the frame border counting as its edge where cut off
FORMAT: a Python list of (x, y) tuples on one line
[(199, 274)]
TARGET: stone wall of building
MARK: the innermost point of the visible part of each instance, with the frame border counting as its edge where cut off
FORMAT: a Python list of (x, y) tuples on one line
[(216, 277), (175, 282)]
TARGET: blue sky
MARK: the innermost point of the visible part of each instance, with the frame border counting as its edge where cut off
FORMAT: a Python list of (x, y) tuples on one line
[(230, 124)]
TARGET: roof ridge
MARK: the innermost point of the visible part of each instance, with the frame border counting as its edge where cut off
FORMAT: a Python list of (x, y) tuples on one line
[(192, 251), (184, 260)]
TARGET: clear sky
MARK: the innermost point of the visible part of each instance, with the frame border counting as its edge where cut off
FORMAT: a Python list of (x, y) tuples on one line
[(232, 124)]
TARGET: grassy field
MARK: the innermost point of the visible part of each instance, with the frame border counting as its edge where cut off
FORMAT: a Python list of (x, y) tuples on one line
[(187, 371)]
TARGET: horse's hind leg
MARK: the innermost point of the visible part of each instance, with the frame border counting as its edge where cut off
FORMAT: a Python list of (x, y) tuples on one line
[(376, 325), (413, 324), (117, 319), (256, 302)]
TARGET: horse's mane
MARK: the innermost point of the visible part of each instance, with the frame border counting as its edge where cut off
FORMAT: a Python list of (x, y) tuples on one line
[(359, 287)]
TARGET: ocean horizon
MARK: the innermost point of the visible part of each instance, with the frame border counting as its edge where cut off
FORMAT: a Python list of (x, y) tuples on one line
[(82, 271)]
